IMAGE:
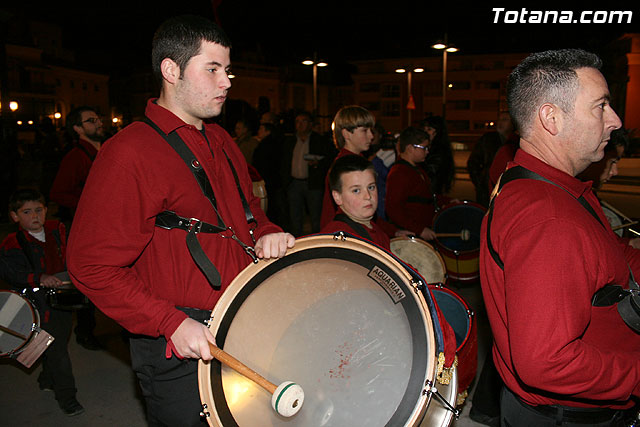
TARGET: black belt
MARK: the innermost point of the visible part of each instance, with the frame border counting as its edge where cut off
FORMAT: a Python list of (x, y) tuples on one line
[(572, 414)]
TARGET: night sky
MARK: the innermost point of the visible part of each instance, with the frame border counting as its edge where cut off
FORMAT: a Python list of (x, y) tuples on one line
[(117, 34)]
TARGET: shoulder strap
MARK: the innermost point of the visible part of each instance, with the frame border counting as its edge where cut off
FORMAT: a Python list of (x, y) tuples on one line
[(24, 245), (92, 158), (519, 172), (357, 227)]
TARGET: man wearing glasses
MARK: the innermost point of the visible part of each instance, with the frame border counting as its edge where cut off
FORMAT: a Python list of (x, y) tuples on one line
[(85, 127), (409, 203)]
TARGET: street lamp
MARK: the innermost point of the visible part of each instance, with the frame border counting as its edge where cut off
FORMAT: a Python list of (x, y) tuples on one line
[(445, 48), (411, 105), (13, 105), (316, 63)]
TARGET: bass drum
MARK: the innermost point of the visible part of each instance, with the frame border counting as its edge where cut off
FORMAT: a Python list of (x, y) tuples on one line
[(460, 256), (260, 191), (421, 256), (462, 320), (342, 318)]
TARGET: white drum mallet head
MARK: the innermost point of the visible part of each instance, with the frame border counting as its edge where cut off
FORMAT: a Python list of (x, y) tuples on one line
[(287, 399)]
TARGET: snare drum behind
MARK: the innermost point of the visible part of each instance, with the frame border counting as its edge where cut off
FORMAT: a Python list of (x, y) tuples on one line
[(20, 333), (343, 319), (421, 256), (460, 256)]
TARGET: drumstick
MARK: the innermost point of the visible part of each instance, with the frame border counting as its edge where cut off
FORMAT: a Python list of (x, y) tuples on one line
[(463, 234), (12, 332), (286, 399), (629, 224)]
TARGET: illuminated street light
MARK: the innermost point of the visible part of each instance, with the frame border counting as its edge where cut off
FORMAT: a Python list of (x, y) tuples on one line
[(446, 48), (411, 105), (316, 63), (13, 105), (57, 115)]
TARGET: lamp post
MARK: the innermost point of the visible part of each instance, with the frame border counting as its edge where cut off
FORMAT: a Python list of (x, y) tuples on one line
[(411, 105), (446, 48), (315, 63)]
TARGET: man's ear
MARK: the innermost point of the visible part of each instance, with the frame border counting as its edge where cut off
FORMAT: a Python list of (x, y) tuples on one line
[(170, 70), (337, 197), (550, 117), (14, 216)]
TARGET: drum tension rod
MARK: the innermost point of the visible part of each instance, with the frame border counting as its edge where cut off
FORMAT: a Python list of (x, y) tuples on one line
[(204, 413), (431, 389)]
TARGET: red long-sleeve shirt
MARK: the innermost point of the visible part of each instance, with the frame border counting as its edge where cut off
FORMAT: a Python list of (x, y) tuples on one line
[(135, 272), (72, 175), (409, 202), (551, 346)]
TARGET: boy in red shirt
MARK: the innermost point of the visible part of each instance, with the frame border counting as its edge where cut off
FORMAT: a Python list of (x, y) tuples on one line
[(29, 258)]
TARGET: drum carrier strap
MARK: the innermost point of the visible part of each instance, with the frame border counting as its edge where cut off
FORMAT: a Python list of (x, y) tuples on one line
[(628, 300), (169, 220)]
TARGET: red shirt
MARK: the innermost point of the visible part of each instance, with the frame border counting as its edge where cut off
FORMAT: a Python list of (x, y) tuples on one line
[(376, 233), (409, 201), (135, 272), (505, 154), (329, 207), (550, 345), (72, 174)]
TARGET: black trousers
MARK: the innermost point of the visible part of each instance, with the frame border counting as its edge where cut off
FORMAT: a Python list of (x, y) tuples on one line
[(56, 363), (169, 386), (515, 413)]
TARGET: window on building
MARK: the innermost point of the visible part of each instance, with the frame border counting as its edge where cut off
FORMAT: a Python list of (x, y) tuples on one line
[(390, 91), (457, 125), (460, 85), (486, 105), (459, 104), (370, 87), (487, 84), (390, 109), (432, 88), (371, 106)]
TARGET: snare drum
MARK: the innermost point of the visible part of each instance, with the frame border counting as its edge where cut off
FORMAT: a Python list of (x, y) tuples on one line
[(342, 318), (66, 296), (460, 256), (461, 319), (421, 256), (18, 315)]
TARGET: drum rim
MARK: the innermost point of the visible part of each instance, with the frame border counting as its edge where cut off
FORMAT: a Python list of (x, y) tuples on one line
[(305, 244), (470, 313), (430, 246), (449, 206), (35, 316)]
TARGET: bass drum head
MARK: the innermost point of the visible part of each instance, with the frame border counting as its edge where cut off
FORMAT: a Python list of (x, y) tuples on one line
[(19, 315), (421, 256), (338, 317)]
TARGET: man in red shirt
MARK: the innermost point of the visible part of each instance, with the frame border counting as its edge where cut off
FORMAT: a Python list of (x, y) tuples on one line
[(563, 360), (142, 274), (84, 124), (409, 204)]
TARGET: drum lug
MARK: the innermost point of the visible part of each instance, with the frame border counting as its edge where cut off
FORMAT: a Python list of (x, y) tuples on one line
[(204, 413), (417, 286), (339, 236), (208, 321), (432, 390), (470, 313)]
